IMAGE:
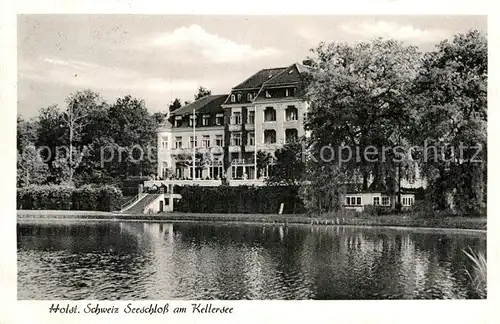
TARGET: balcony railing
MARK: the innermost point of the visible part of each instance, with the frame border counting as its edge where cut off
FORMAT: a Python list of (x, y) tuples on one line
[(248, 161), (234, 148), (212, 149), (234, 127), (249, 148)]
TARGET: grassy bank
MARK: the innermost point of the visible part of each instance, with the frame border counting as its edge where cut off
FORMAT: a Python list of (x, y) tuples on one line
[(386, 220)]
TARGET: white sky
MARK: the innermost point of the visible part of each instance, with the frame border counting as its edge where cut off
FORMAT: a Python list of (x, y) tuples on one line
[(158, 58)]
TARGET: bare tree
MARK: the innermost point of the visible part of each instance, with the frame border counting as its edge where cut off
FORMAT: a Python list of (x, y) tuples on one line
[(80, 106)]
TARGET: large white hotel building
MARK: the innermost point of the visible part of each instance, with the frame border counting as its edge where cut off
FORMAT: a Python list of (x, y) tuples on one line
[(224, 133)]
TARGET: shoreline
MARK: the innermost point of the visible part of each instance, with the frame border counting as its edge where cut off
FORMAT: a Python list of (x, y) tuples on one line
[(400, 222)]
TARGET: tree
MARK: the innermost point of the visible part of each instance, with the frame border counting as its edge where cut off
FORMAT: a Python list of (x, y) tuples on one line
[(176, 104), (264, 159), (450, 114), (31, 169), (159, 117), (289, 166), (359, 99), (80, 107), (202, 92), (26, 133), (133, 130)]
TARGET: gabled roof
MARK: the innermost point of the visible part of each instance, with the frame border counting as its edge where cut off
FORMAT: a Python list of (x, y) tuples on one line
[(288, 76), (208, 104), (256, 80)]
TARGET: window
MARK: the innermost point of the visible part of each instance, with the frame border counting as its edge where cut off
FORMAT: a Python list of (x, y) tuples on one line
[(233, 98), (291, 113), (237, 118), (291, 135), (407, 201), (269, 114), (268, 95), (251, 138), (249, 97), (251, 117), (177, 122), (205, 120), (205, 141), (353, 200), (376, 201), (287, 93), (191, 118), (269, 136), (178, 142), (193, 142), (164, 142), (218, 140), (239, 97), (236, 139), (219, 119), (385, 201)]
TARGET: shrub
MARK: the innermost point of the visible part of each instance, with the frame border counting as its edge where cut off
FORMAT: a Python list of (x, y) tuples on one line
[(102, 198), (372, 210), (242, 199)]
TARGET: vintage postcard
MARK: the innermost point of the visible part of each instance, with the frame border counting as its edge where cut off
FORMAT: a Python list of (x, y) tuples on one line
[(175, 165)]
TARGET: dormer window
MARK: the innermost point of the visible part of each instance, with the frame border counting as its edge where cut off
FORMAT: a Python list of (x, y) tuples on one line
[(205, 119), (239, 97), (219, 119), (191, 119), (178, 121), (268, 95), (233, 98), (249, 97), (287, 93)]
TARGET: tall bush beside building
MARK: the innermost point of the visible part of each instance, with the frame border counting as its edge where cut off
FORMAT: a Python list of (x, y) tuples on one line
[(243, 199), (60, 197)]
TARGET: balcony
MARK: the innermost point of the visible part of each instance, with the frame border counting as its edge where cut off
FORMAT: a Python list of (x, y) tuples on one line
[(216, 150), (249, 126), (247, 161), (234, 127), (269, 125), (291, 123), (248, 182), (203, 150), (177, 151), (234, 149), (249, 148)]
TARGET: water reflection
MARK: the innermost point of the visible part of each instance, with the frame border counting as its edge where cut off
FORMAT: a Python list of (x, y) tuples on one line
[(219, 261)]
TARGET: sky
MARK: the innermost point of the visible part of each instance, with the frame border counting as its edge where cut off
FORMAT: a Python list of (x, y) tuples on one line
[(161, 57)]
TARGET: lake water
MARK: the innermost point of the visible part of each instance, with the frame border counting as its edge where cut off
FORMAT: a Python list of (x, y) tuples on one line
[(113, 260)]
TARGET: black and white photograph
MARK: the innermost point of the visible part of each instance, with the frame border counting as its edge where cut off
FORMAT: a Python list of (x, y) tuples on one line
[(251, 157)]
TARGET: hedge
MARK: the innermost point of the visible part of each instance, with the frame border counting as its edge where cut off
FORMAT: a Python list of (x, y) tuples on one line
[(242, 199), (99, 198)]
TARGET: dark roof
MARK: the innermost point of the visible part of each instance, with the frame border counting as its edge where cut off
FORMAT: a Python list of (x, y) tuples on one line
[(288, 76), (208, 104), (256, 80)]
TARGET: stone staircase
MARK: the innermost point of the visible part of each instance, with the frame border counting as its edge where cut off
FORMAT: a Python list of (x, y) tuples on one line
[(139, 207)]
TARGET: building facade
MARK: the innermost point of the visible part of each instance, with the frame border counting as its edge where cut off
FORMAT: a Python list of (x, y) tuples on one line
[(226, 134), (194, 132), (264, 112)]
